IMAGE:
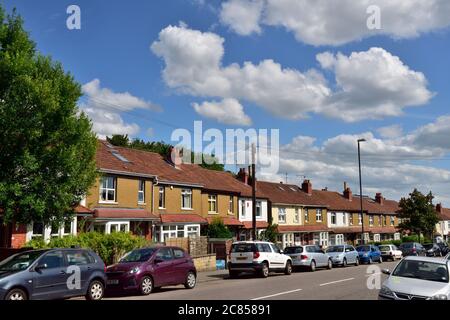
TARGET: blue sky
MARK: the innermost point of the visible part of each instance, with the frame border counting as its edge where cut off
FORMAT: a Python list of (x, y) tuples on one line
[(114, 42)]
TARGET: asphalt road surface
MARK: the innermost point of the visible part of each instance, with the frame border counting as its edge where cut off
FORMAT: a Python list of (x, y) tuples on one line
[(350, 283)]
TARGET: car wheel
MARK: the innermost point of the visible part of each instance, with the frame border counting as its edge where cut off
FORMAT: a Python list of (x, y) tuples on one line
[(381, 259), (357, 262), (146, 286), (96, 290), (330, 264), (312, 266), (16, 294), (233, 274), (344, 263), (288, 268), (265, 270), (191, 280)]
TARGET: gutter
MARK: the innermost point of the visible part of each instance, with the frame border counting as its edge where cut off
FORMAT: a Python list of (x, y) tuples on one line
[(127, 173)]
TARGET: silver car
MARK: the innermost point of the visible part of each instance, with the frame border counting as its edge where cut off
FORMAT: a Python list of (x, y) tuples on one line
[(417, 278), (343, 255), (309, 256)]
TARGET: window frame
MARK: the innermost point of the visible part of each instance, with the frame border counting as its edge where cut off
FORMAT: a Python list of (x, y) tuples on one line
[(212, 203), (282, 213), (319, 214), (107, 189), (258, 205), (186, 192), (297, 215), (161, 197), (231, 204), (141, 183), (333, 216)]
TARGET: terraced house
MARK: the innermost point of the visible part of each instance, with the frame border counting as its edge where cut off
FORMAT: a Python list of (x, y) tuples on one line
[(443, 226)]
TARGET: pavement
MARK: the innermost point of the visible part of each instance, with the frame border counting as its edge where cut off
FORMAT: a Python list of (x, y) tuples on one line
[(350, 283)]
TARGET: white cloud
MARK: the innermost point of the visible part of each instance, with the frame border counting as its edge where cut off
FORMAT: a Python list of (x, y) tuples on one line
[(242, 15), (370, 85), (433, 135), (103, 106), (227, 111), (336, 22), (390, 132)]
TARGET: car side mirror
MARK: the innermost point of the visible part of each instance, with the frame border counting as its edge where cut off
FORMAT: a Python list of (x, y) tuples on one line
[(40, 267), (386, 271), (281, 252)]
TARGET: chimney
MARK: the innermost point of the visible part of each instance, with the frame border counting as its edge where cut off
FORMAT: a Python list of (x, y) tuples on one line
[(243, 175), (307, 187), (345, 185), (348, 193), (439, 207), (174, 157), (379, 198)]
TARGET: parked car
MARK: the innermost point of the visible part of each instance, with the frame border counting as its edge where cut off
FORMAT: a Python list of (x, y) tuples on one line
[(417, 278), (309, 256), (390, 252), (432, 250), (369, 253), (145, 269), (49, 274), (258, 257), (343, 255), (447, 256), (412, 249), (444, 248)]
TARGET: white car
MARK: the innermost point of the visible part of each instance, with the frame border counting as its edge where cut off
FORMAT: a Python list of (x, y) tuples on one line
[(390, 252), (258, 257)]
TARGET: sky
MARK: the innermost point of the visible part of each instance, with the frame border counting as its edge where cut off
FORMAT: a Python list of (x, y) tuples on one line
[(312, 69)]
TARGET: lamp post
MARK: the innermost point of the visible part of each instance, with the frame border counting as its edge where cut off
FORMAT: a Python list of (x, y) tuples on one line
[(360, 190)]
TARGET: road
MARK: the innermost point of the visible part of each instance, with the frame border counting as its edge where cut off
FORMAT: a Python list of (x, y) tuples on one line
[(336, 284)]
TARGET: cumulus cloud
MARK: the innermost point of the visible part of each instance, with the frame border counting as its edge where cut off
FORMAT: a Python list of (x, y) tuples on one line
[(369, 85), (242, 15), (393, 131), (433, 135), (227, 111), (104, 108), (336, 22)]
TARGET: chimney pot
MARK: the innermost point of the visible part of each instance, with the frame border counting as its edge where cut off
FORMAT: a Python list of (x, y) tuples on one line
[(439, 207), (307, 187)]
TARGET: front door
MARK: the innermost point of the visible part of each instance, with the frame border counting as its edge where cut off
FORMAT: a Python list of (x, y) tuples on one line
[(50, 281)]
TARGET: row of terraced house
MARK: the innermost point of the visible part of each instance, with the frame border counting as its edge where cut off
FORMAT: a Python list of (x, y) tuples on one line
[(152, 196)]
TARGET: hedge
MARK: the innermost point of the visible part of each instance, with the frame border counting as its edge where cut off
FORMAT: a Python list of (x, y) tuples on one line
[(110, 247)]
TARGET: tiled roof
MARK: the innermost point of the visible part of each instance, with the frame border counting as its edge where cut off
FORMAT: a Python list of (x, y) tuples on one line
[(358, 229), (281, 193), (182, 218), (259, 224), (228, 221), (119, 213), (305, 228), (444, 214), (153, 164), (79, 209)]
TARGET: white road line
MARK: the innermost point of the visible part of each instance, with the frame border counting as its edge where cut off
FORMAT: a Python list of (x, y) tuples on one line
[(277, 294), (327, 283), (373, 274)]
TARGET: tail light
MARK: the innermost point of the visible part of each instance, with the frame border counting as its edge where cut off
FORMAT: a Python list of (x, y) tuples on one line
[(255, 255), (106, 268), (303, 257), (414, 250)]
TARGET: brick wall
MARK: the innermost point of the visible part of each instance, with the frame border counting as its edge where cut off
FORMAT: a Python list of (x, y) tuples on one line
[(18, 236), (198, 246), (205, 263)]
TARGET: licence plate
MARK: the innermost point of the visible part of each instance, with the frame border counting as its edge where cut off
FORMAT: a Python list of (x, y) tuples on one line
[(241, 258), (115, 281)]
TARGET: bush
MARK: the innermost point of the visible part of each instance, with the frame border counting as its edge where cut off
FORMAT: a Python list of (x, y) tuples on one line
[(110, 247), (270, 234), (217, 229)]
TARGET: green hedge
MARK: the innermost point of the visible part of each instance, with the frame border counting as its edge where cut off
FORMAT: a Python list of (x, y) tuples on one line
[(110, 247)]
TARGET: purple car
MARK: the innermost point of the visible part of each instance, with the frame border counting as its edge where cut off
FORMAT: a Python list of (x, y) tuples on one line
[(145, 269)]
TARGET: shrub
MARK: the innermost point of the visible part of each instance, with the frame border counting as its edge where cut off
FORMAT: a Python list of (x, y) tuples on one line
[(110, 247), (270, 234), (217, 229)]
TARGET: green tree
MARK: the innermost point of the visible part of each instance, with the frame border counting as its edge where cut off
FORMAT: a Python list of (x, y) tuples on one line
[(47, 148), (120, 140), (418, 213), (217, 229), (270, 234)]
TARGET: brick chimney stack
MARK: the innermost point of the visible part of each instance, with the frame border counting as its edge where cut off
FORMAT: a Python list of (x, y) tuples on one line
[(243, 175), (307, 187), (379, 198), (439, 207), (348, 193)]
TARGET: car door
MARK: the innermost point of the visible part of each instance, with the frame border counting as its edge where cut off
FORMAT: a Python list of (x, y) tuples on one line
[(50, 276), (278, 258), (163, 272), (320, 256), (352, 254), (180, 265), (82, 262)]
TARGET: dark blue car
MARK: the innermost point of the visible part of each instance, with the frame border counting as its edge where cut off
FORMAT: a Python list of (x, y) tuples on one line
[(52, 274), (369, 253)]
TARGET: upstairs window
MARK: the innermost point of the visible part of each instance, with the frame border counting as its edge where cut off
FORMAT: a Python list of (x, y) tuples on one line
[(319, 215), (333, 218), (231, 205), (243, 210), (306, 215), (162, 197), (297, 216), (186, 198), (108, 189), (371, 220), (360, 219), (392, 221), (212, 203), (258, 209), (141, 191), (281, 215), (350, 219)]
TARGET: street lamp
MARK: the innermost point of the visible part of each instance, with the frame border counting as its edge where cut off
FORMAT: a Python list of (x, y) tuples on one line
[(360, 190)]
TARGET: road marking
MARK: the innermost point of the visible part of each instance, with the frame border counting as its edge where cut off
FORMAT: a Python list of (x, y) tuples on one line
[(277, 294), (373, 274), (327, 283)]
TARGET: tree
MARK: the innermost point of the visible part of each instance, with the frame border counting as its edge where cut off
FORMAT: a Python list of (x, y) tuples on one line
[(270, 234), (217, 229), (119, 140), (47, 147), (418, 213)]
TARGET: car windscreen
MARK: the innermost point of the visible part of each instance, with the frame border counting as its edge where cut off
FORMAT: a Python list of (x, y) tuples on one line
[(243, 247), (384, 248), (20, 261), (406, 245), (363, 248), (423, 270), (293, 250), (336, 249), (138, 255), (428, 246)]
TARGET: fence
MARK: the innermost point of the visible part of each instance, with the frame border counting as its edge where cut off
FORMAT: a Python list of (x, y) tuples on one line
[(196, 246)]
